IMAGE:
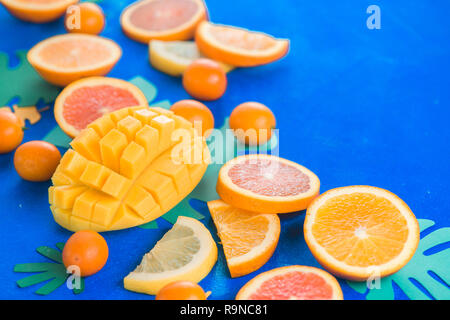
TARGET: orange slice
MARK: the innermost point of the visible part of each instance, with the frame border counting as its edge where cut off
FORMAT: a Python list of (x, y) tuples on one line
[(239, 47), (359, 232), (88, 99), (65, 58), (267, 184), (249, 239), (162, 19), (292, 283), (38, 11)]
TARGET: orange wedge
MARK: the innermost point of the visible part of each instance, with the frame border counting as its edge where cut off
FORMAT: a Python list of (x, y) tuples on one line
[(248, 239), (167, 20), (360, 232), (267, 184), (65, 58), (292, 283), (86, 100), (239, 47), (38, 11)]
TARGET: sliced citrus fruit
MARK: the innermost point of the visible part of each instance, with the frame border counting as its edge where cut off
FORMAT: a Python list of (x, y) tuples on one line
[(127, 168), (292, 283), (38, 11), (86, 100), (239, 47), (162, 19), (186, 252), (267, 184), (359, 232), (248, 238), (65, 58), (173, 57)]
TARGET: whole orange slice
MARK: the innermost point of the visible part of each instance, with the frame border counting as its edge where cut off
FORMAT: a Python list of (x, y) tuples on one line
[(237, 46), (88, 99), (65, 58), (162, 19), (359, 232), (267, 184), (249, 239), (292, 283), (38, 11)]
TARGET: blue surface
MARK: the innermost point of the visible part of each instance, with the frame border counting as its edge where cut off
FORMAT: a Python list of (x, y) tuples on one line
[(356, 106)]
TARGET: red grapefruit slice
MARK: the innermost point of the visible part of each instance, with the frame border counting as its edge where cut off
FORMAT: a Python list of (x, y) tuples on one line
[(85, 100), (267, 184), (292, 283), (162, 19)]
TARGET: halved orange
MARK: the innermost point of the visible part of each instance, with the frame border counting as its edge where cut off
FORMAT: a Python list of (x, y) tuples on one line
[(38, 11), (167, 20), (65, 58), (237, 46), (359, 232), (292, 283), (87, 99), (248, 239), (267, 184)]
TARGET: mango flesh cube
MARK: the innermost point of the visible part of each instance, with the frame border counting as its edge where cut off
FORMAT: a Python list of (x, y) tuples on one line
[(121, 173)]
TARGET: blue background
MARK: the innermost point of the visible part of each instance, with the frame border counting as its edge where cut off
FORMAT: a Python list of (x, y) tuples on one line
[(356, 106)]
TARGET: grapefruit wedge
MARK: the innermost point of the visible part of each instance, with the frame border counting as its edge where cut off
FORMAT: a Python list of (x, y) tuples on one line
[(267, 184), (38, 11), (162, 19), (359, 232), (292, 283), (65, 58), (88, 99), (239, 47), (249, 239)]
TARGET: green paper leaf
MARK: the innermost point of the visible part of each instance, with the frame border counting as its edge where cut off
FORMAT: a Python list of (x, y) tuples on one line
[(57, 137), (24, 82), (146, 87), (182, 209), (33, 267), (50, 253), (35, 279), (165, 104), (418, 268), (149, 225)]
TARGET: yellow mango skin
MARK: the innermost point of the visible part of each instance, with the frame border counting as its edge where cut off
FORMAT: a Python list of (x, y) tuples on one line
[(122, 172)]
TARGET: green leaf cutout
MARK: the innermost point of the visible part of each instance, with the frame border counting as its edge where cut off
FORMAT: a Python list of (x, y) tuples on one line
[(418, 268), (146, 87), (54, 271), (24, 82)]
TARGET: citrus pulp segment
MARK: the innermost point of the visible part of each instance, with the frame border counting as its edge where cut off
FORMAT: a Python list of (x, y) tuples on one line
[(173, 57), (186, 252), (358, 232), (162, 19), (267, 184), (85, 100), (37, 11), (239, 47), (292, 283), (65, 58), (125, 169), (249, 239)]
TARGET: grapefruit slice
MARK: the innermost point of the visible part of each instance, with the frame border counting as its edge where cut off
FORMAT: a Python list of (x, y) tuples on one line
[(162, 19), (237, 46), (38, 11), (186, 252), (267, 184), (65, 58), (249, 239), (173, 57), (292, 283), (88, 99), (359, 232)]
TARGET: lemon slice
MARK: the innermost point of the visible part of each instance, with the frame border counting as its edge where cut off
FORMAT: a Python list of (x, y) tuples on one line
[(185, 252), (173, 57)]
